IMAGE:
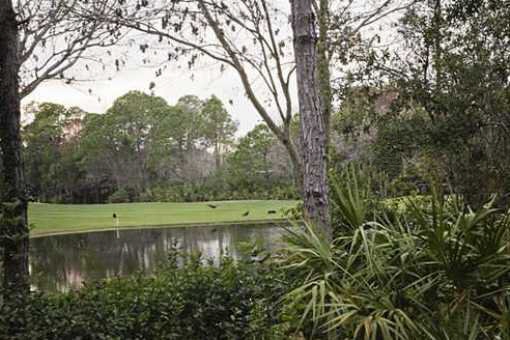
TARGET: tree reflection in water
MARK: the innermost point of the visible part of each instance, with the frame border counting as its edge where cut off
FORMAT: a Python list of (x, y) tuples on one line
[(63, 262)]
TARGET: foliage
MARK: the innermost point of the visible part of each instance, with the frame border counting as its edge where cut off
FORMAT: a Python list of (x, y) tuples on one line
[(50, 153), (119, 196), (189, 301), (350, 196), (154, 151), (433, 270), (219, 126), (440, 93)]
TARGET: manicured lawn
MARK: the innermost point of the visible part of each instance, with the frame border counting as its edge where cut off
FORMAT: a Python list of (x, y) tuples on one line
[(63, 218)]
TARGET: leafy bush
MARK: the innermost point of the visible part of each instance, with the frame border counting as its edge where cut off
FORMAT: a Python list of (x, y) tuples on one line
[(119, 196), (210, 191), (435, 270), (189, 301)]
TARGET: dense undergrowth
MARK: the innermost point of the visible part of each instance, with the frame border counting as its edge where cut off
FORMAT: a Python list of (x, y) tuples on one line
[(424, 267), (192, 300), (419, 268)]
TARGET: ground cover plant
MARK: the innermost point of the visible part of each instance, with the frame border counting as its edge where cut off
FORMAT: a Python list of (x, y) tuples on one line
[(434, 270)]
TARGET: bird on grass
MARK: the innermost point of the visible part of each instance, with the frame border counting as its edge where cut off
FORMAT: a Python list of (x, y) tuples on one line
[(116, 219), (212, 206), (246, 213), (271, 212)]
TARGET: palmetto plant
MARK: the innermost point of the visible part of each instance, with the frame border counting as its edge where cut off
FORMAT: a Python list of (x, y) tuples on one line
[(350, 196), (436, 272)]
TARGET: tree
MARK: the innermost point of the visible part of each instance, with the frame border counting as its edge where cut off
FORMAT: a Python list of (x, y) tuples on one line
[(249, 165), (181, 129), (29, 27), (121, 138), (457, 72), (50, 143), (14, 228), (313, 122), (54, 37), (244, 35), (219, 127)]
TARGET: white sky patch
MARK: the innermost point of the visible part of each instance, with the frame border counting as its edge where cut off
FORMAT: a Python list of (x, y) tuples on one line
[(203, 80), (172, 85)]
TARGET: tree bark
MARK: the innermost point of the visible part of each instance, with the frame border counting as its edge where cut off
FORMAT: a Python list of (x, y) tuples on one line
[(14, 230), (313, 126), (323, 66), (217, 155)]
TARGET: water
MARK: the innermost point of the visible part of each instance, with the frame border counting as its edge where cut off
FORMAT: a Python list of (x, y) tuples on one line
[(63, 262)]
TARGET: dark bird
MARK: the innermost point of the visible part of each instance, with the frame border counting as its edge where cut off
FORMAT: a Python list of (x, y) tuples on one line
[(213, 230), (212, 206), (246, 213), (271, 211), (114, 215)]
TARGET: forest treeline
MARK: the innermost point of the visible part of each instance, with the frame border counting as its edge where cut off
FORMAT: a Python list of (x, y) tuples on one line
[(143, 149)]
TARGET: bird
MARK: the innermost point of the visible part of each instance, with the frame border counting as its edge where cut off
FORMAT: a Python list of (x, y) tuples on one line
[(213, 230), (271, 211), (246, 213), (212, 206), (116, 218)]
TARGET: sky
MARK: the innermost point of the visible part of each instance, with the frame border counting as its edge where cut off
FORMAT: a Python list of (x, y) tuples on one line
[(97, 94), (203, 81)]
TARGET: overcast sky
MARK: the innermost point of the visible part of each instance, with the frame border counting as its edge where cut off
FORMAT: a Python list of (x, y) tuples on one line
[(202, 81)]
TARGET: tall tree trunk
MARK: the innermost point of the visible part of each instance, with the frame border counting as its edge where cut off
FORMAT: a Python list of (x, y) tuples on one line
[(14, 230), (323, 66), (313, 127), (217, 155)]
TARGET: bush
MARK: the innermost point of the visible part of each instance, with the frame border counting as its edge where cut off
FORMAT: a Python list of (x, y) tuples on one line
[(119, 196), (212, 191), (434, 270), (192, 301)]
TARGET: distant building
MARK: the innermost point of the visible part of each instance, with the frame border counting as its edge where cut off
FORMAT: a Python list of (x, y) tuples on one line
[(72, 127)]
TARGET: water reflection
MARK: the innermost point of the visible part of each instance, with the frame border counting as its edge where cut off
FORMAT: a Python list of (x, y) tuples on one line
[(59, 263)]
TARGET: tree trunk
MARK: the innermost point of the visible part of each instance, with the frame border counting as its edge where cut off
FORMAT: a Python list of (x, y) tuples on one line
[(323, 66), (217, 155), (313, 127), (295, 159), (14, 230)]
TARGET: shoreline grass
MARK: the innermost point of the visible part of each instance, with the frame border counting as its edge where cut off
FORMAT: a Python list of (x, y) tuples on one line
[(52, 219)]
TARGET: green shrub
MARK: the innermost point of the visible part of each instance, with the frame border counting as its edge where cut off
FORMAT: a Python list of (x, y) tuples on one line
[(436, 270), (119, 196), (190, 301)]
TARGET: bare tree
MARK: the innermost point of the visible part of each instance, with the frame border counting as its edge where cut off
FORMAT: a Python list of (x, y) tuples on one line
[(249, 36), (252, 37), (53, 37)]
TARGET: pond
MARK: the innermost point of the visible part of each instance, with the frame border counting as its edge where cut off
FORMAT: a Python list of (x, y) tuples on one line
[(63, 262)]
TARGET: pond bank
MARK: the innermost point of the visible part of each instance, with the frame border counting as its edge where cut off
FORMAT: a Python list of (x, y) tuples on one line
[(56, 219)]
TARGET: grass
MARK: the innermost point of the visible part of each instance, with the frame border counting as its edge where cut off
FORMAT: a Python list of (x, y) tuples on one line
[(67, 218)]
